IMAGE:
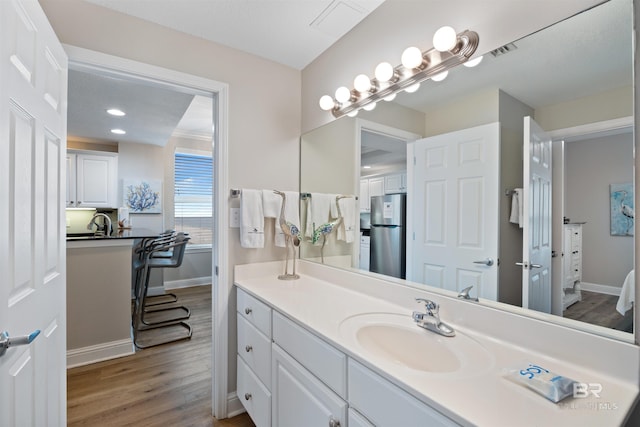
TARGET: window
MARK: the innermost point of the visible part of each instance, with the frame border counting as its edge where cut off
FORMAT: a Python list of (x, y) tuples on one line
[(193, 196)]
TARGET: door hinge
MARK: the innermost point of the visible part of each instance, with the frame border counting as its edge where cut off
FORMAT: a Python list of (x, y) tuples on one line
[(216, 270), (414, 160), (414, 235)]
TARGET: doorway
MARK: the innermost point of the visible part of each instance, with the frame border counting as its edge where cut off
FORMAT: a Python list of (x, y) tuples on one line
[(220, 275)]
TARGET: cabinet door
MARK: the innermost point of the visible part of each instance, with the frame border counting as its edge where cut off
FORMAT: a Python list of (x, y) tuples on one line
[(394, 184), (71, 180), (364, 195), (96, 179), (376, 187), (299, 398)]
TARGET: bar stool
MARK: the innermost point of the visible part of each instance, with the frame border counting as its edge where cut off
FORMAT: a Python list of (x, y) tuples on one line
[(142, 250), (176, 245)]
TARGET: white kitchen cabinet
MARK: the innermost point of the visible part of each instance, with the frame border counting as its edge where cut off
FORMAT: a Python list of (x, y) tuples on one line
[(92, 179), (365, 252), (369, 188), (396, 183), (572, 264)]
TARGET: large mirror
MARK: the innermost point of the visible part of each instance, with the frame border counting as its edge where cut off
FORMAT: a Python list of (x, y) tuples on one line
[(575, 80)]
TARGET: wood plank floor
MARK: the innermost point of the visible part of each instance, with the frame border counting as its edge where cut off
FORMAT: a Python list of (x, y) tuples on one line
[(600, 309), (167, 385)]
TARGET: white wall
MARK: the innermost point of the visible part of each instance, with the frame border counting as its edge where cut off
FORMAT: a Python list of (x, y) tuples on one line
[(591, 165)]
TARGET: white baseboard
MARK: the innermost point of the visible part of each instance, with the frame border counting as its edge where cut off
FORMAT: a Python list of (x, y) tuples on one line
[(187, 283), (98, 353), (234, 406), (601, 289)]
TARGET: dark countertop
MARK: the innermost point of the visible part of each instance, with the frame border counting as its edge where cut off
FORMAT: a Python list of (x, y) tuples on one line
[(132, 233)]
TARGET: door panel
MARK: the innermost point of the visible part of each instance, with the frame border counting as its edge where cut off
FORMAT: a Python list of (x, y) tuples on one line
[(453, 204), (32, 257), (536, 269)]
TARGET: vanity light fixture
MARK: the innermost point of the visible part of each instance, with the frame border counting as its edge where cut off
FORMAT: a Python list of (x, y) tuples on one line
[(450, 49)]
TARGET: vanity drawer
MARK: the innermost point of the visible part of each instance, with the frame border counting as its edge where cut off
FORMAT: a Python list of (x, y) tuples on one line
[(254, 396), (255, 349), (372, 395), (255, 311), (319, 357)]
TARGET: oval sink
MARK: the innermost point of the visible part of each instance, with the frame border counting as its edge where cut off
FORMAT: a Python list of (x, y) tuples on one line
[(395, 338)]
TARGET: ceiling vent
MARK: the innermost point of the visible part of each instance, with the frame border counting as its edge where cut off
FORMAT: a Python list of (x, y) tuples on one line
[(510, 47)]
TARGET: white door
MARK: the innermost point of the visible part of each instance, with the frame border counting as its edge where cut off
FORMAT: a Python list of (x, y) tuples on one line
[(536, 245), (33, 102), (452, 202)]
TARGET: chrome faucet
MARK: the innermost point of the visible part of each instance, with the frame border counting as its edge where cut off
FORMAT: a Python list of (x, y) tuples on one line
[(431, 319), (464, 294), (106, 223)]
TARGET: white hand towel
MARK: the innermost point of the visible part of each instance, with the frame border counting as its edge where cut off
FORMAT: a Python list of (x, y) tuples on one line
[(627, 294), (272, 204), (251, 219), (346, 231), (320, 209), (516, 208)]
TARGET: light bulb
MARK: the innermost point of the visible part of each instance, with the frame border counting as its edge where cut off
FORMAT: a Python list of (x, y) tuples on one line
[(473, 62), (445, 39), (369, 106), (390, 97), (353, 113), (384, 72), (326, 103), (362, 83), (412, 88), (411, 58), (440, 77), (343, 94)]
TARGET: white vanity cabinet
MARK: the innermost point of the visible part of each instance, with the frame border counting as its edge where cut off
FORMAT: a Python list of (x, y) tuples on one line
[(254, 358), (572, 264), (312, 383), (92, 179)]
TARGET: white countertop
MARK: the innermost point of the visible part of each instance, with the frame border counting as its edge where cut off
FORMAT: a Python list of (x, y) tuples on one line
[(485, 398)]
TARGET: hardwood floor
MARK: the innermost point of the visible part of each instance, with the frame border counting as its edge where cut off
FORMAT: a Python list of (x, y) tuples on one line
[(600, 309), (167, 385)]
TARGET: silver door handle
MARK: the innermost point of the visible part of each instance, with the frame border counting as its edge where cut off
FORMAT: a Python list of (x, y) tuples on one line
[(6, 342), (486, 261), (529, 266)]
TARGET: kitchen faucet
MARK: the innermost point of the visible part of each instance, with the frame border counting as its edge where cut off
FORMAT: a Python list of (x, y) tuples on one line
[(431, 319), (106, 223)]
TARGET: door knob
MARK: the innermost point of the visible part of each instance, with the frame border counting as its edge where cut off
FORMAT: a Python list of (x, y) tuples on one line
[(487, 261), (6, 342)]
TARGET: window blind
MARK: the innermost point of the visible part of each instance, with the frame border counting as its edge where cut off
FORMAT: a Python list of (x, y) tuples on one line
[(193, 199)]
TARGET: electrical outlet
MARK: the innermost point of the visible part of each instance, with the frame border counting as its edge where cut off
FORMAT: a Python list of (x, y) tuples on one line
[(68, 222), (234, 215)]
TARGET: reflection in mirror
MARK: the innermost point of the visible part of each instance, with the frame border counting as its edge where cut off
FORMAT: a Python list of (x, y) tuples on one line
[(574, 79)]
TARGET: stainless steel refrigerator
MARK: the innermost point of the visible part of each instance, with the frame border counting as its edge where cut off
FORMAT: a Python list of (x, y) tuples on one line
[(388, 235)]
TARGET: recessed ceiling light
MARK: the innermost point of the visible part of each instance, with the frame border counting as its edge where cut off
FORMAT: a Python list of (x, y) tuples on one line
[(115, 112), (118, 131), (366, 167)]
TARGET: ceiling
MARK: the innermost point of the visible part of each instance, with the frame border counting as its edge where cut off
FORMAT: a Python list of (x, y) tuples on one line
[(291, 32)]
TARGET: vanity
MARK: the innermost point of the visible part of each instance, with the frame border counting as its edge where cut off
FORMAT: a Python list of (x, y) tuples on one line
[(340, 348)]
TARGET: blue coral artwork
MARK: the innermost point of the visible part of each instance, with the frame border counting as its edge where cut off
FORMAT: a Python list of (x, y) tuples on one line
[(622, 209), (142, 196)]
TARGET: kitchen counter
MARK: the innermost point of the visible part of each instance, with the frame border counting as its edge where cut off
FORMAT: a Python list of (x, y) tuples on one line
[(324, 298), (130, 233)]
